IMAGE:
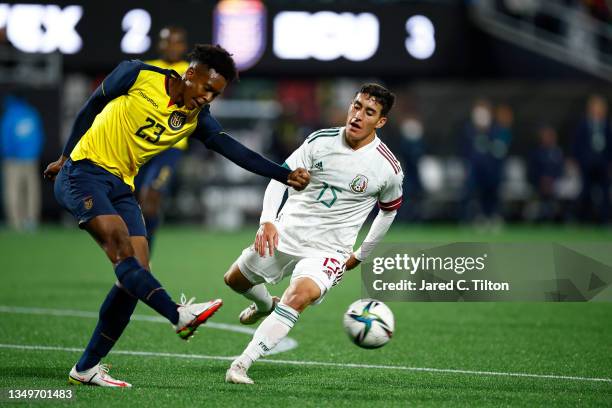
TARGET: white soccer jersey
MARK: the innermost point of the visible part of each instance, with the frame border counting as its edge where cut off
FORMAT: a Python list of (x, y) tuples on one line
[(345, 184)]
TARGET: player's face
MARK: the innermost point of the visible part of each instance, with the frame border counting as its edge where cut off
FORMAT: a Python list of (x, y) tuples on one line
[(364, 117), (172, 45), (202, 86)]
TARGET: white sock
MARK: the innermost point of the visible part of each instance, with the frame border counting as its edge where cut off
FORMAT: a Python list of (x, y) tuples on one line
[(270, 332), (260, 295)]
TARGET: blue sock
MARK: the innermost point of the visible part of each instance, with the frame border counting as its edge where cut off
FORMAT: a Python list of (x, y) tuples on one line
[(152, 223), (115, 315), (141, 283)]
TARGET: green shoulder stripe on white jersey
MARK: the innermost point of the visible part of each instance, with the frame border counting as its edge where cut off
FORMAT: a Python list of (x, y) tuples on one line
[(331, 132)]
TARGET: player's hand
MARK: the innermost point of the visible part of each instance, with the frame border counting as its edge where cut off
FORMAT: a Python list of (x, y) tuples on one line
[(267, 236), (53, 168), (352, 263), (299, 178)]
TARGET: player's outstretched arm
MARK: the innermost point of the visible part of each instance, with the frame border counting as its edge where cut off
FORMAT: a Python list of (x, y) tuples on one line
[(246, 158)]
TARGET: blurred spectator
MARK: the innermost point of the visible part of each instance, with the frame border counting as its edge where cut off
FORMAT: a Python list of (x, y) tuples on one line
[(592, 150), (519, 9), (485, 142), (21, 139), (302, 94), (172, 47), (598, 9), (545, 171), (411, 150)]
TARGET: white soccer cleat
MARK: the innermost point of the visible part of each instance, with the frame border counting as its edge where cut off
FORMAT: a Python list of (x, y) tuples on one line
[(96, 375), (237, 374), (192, 315), (251, 315)]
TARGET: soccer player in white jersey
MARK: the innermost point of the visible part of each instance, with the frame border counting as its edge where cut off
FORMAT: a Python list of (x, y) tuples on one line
[(313, 235)]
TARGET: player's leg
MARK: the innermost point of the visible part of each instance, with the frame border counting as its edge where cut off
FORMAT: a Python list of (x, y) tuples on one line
[(188, 315), (151, 202), (117, 309), (114, 317), (111, 232), (247, 276), (153, 183), (263, 302), (312, 279), (107, 209), (300, 294)]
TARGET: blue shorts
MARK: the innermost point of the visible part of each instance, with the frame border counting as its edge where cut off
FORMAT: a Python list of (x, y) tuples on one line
[(158, 172), (87, 190)]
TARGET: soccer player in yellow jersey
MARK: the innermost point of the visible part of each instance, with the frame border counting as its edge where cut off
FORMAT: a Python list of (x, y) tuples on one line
[(136, 113), (154, 178)]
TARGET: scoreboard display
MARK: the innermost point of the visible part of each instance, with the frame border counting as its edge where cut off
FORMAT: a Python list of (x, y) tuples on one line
[(302, 38)]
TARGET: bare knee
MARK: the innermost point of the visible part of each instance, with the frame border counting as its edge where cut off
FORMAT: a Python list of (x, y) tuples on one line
[(111, 233), (150, 202), (141, 250), (236, 280), (301, 294), (118, 246)]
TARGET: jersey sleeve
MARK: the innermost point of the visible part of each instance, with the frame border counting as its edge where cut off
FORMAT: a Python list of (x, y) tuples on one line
[(117, 83), (207, 126), (391, 195), (301, 157), (121, 79)]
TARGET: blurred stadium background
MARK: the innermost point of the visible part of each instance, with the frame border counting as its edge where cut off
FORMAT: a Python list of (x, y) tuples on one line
[(502, 112)]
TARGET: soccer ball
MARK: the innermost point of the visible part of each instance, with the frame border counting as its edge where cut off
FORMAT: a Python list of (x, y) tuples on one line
[(369, 323)]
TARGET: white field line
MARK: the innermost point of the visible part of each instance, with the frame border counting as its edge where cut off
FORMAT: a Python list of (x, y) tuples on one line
[(313, 363), (285, 345)]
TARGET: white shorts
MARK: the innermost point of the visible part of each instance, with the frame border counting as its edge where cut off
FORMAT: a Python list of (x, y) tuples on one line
[(272, 269)]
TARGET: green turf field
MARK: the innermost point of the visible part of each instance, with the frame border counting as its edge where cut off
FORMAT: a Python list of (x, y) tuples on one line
[(442, 354)]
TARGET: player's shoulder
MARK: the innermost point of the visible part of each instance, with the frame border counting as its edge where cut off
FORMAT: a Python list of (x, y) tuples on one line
[(389, 161), (179, 66), (150, 68), (204, 113), (133, 68), (323, 135)]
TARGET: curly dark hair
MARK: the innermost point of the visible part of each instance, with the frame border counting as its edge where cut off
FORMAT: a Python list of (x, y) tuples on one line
[(215, 57), (382, 95)]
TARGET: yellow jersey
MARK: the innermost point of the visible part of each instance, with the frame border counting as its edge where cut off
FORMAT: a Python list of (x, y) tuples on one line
[(180, 67), (134, 121)]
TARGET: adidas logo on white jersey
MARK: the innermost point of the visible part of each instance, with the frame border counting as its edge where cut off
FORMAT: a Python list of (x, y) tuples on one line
[(319, 165)]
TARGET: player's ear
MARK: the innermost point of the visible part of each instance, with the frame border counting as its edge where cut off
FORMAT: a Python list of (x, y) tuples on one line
[(381, 122), (190, 73)]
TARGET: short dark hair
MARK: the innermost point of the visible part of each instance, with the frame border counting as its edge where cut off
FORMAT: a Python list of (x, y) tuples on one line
[(215, 57), (382, 95)]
